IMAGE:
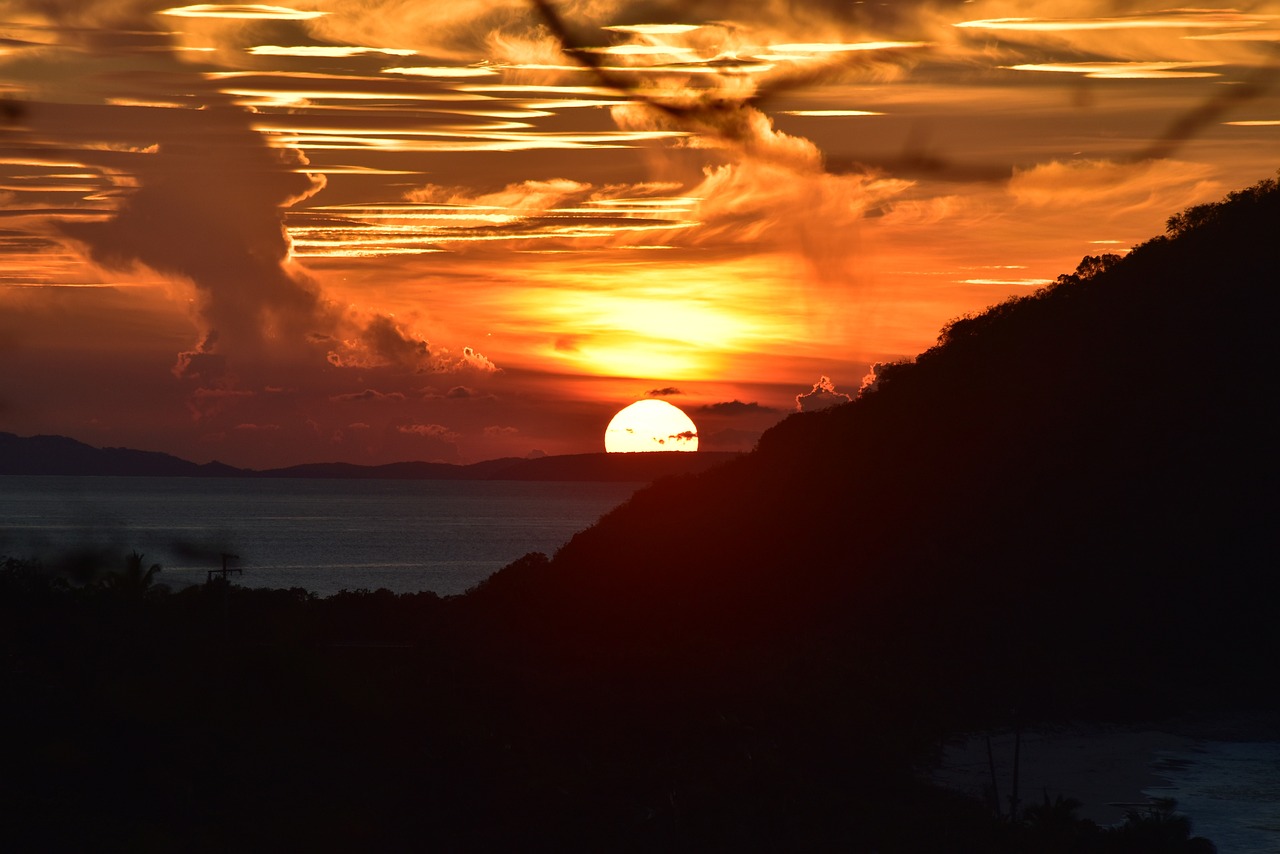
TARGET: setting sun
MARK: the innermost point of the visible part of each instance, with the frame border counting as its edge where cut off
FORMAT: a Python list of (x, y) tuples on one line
[(650, 425)]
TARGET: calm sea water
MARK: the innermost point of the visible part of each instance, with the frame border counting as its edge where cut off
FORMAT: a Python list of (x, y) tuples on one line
[(321, 535), (1229, 789)]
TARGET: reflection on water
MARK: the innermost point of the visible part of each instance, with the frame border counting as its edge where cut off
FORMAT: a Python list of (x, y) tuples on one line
[(322, 535)]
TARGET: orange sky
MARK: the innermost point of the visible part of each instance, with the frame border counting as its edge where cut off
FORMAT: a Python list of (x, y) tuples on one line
[(375, 230)]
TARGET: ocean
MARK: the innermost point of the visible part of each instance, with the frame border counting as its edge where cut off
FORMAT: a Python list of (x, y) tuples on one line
[(1228, 785), (318, 534), (1229, 789)]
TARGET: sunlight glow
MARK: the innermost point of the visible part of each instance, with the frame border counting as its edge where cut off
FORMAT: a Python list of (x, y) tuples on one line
[(325, 50), (247, 12), (638, 50), (1190, 18), (1123, 70), (830, 113), (838, 47), (441, 71), (654, 29), (1240, 36), (1020, 283)]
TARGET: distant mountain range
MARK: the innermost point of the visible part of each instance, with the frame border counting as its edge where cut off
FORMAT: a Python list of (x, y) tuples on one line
[(59, 455)]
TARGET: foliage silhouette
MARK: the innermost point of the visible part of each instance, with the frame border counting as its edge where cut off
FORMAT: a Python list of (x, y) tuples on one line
[(134, 580)]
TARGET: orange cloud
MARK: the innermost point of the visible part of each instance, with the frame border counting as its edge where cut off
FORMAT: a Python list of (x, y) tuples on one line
[(822, 395)]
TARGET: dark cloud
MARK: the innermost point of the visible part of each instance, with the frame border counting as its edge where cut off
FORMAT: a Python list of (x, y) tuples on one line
[(428, 431), (663, 392), (734, 408), (200, 364), (461, 392), (368, 394), (381, 343), (210, 212), (201, 196), (822, 395)]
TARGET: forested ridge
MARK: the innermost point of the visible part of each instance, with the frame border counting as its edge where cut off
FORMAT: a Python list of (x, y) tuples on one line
[(1060, 512)]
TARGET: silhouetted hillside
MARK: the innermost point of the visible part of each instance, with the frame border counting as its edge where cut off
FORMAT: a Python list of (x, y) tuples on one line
[(1066, 494)]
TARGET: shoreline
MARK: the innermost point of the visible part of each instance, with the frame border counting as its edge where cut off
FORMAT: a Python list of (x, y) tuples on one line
[(1109, 769), (1106, 769)]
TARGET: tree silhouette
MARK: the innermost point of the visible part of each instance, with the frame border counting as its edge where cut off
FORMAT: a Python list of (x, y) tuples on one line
[(135, 579), (1159, 829)]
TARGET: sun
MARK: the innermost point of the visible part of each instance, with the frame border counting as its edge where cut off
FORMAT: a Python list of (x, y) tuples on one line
[(650, 425)]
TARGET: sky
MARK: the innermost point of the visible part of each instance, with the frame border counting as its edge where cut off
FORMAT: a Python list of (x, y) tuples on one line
[(381, 230)]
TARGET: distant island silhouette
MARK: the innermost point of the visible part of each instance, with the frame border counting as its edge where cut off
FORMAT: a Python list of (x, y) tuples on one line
[(1060, 513), (60, 455)]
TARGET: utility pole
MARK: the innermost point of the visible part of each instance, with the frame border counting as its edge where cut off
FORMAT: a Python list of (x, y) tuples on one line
[(225, 583), (225, 569)]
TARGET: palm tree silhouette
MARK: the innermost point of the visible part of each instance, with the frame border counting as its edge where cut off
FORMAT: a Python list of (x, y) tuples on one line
[(133, 581)]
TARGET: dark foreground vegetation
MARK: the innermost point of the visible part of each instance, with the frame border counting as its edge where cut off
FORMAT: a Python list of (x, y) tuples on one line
[(1064, 509)]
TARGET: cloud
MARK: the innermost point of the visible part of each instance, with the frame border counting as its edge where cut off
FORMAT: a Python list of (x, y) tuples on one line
[(470, 360), (775, 193), (518, 200), (368, 394), (1158, 185), (198, 194), (663, 392), (496, 432), (206, 207), (200, 363), (428, 431), (775, 189), (458, 30), (381, 342), (461, 392), (424, 441), (822, 395), (734, 408), (789, 206), (871, 380)]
